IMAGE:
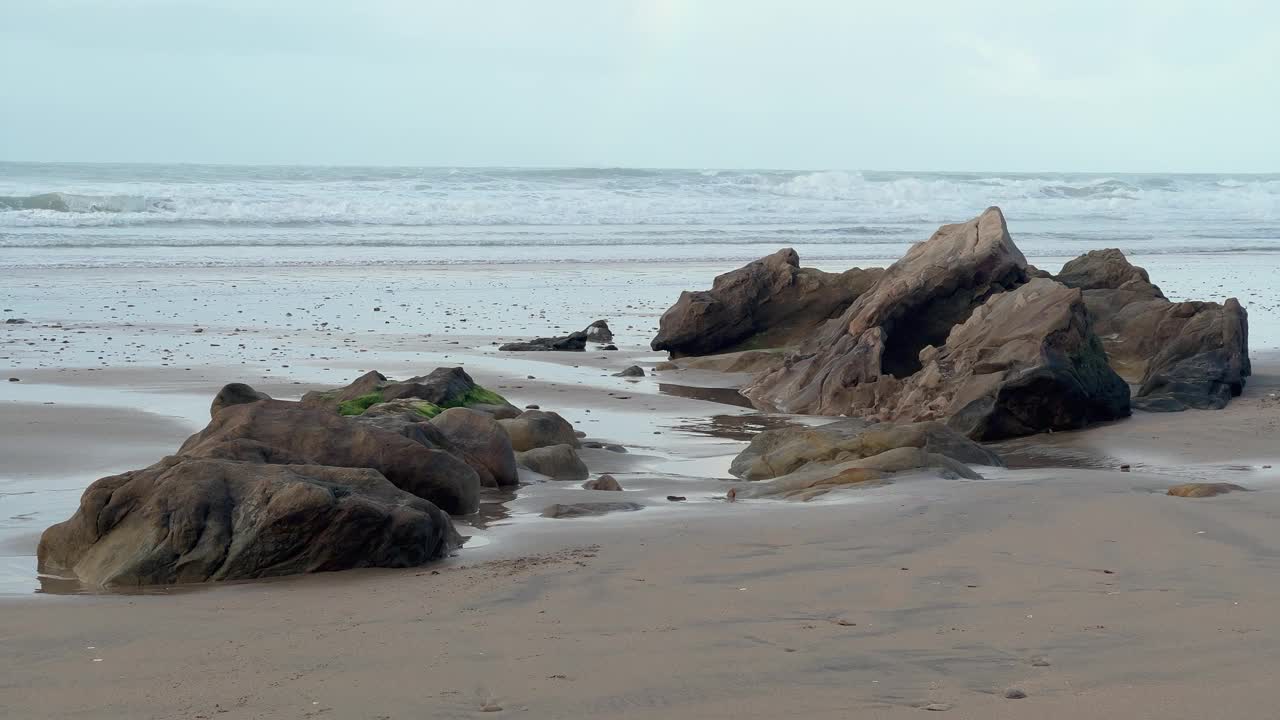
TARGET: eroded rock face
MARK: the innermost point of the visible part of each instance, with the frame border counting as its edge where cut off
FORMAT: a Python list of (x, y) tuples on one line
[(190, 519), (277, 428), (1182, 355), (955, 331), (772, 302), (588, 509)]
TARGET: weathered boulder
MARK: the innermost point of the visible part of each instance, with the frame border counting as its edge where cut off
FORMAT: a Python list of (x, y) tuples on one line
[(558, 462), (539, 428), (604, 482), (780, 451), (573, 510), (479, 440), (430, 394), (318, 437), (188, 519), (772, 302), (1182, 355), (599, 332), (954, 331), (235, 394)]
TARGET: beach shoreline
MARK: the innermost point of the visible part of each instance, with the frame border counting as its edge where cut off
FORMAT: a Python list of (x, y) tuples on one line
[(683, 608)]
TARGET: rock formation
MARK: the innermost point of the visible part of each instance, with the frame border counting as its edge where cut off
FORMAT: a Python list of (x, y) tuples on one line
[(772, 302), (1181, 355), (353, 477), (956, 331)]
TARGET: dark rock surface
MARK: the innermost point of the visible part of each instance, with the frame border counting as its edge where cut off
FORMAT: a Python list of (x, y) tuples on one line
[(772, 302), (1181, 355)]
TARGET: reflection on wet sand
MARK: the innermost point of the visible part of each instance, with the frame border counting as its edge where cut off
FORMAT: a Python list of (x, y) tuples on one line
[(724, 396), (734, 427)]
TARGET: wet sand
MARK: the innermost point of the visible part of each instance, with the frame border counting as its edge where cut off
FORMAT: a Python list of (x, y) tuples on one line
[(870, 603)]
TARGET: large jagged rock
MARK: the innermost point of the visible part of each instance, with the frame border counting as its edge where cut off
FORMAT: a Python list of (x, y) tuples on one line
[(1182, 355), (772, 302), (479, 440), (189, 519), (784, 450), (441, 389), (955, 331), (539, 428), (271, 429)]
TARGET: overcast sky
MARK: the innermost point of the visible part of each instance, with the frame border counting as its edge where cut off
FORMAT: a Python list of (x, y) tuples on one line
[(1165, 85)]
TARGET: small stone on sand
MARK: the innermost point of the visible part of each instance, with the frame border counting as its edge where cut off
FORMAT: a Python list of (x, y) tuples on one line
[(1014, 694)]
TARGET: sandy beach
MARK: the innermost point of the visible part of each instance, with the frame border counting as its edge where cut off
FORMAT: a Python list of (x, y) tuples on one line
[(1062, 577)]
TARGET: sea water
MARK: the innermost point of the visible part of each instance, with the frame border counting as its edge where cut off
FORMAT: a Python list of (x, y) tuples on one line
[(105, 215)]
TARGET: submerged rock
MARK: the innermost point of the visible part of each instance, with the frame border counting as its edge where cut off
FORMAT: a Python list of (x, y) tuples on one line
[(1204, 490), (1181, 355), (772, 302), (604, 482), (955, 331), (559, 462), (590, 509), (188, 519)]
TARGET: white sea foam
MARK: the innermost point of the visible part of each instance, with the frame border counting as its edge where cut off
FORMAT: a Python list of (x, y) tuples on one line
[(99, 206)]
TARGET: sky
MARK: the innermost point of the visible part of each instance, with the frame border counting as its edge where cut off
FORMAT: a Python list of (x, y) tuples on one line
[(1118, 86)]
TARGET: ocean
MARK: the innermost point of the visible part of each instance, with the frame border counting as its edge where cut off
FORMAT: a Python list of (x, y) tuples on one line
[(114, 215)]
